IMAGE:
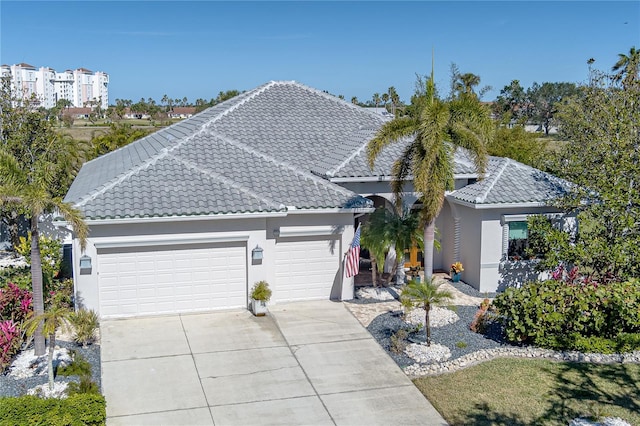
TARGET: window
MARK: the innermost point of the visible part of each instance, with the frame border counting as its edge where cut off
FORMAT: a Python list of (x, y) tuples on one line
[(518, 240)]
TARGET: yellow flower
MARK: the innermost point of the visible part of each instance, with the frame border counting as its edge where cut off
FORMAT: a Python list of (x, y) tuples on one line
[(457, 267)]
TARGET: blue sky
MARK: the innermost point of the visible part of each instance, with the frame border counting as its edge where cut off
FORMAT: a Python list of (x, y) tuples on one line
[(197, 49)]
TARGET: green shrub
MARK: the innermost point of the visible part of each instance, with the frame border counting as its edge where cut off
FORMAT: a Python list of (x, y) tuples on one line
[(84, 322), (78, 367), (86, 385), (624, 342), (261, 291), (558, 315), (80, 409), (60, 294), (50, 256), (21, 276), (461, 344)]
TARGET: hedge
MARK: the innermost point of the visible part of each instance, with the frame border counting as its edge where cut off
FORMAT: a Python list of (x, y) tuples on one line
[(586, 317), (80, 409)]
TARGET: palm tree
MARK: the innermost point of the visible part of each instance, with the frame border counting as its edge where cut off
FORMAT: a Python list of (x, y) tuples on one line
[(394, 98), (628, 66), (376, 99), (36, 168), (466, 82), (424, 294), (385, 99), (386, 230), (48, 322), (437, 127), (354, 100)]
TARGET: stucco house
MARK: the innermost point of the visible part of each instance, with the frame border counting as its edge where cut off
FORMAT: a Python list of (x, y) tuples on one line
[(269, 185)]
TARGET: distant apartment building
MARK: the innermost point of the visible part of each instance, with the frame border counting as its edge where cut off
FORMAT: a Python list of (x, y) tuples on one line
[(81, 87)]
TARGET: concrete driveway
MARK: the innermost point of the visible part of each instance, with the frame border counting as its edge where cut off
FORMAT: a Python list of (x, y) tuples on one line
[(305, 363)]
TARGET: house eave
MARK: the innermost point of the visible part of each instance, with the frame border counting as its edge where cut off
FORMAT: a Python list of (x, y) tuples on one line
[(489, 206), (390, 178), (162, 219), (292, 211)]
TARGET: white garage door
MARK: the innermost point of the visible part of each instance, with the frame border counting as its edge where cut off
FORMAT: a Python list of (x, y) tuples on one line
[(305, 268), (162, 280)]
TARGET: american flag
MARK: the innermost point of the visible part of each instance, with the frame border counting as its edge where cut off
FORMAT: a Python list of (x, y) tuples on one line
[(352, 261)]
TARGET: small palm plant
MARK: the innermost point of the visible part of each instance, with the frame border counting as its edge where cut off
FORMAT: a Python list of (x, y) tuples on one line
[(53, 318), (424, 294)]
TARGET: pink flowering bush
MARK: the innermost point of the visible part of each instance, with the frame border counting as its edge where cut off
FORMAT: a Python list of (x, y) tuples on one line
[(10, 338), (16, 305)]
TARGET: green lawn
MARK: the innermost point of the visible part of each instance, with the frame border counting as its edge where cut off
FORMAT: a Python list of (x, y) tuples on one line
[(534, 392)]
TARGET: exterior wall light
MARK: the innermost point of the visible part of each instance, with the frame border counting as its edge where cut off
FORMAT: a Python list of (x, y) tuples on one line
[(85, 265), (256, 254)]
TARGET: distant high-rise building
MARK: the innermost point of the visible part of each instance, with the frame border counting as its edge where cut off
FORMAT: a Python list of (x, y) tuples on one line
[(81, 87)]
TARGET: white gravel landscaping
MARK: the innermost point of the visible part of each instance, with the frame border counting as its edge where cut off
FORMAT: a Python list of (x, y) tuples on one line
[(438, 316), (28, 365), (372, 293), (427, 354)]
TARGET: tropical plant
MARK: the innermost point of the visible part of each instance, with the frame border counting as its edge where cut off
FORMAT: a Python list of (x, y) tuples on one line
[(435, 128), (53, 318), (424, 294), (261, 291), (376, 99), (118, 136), (50, 256), (9, 342), (84, 322), (36, 168), (627, 66), (386, 230), (565, 314)]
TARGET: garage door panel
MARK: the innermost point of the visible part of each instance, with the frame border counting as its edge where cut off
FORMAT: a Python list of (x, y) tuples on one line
[(305, 269), (159, 280)]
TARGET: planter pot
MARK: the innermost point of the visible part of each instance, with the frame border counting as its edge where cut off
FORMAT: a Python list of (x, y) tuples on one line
[(456, 277), (258, 307)]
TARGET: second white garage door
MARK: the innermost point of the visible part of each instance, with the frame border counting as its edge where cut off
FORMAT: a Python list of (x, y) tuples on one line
[(164, 280), (305, 268)]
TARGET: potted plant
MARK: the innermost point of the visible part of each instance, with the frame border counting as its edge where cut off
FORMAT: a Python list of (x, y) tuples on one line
[(260, 295), (456, 270)]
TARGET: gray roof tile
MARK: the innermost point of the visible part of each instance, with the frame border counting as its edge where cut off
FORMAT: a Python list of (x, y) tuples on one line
[(508, 181), (268, 149), (254, 152)]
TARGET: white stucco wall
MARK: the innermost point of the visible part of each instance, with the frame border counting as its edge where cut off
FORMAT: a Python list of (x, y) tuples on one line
[(482, 247), (336, 227)]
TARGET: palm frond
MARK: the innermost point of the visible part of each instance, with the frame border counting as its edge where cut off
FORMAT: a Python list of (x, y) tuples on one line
[(389, 133), (75, 219)]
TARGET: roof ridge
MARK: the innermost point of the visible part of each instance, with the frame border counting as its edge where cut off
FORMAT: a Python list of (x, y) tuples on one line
[(331, 97), (250, 95), (357, 152), (227, 182), (494, 180), (165, 151), (297, 170)]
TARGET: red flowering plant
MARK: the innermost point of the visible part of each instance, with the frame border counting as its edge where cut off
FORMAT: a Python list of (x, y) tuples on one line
[(16, 305)]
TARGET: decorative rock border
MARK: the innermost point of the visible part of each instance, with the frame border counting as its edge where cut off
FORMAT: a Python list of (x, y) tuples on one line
[(415, 371)]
